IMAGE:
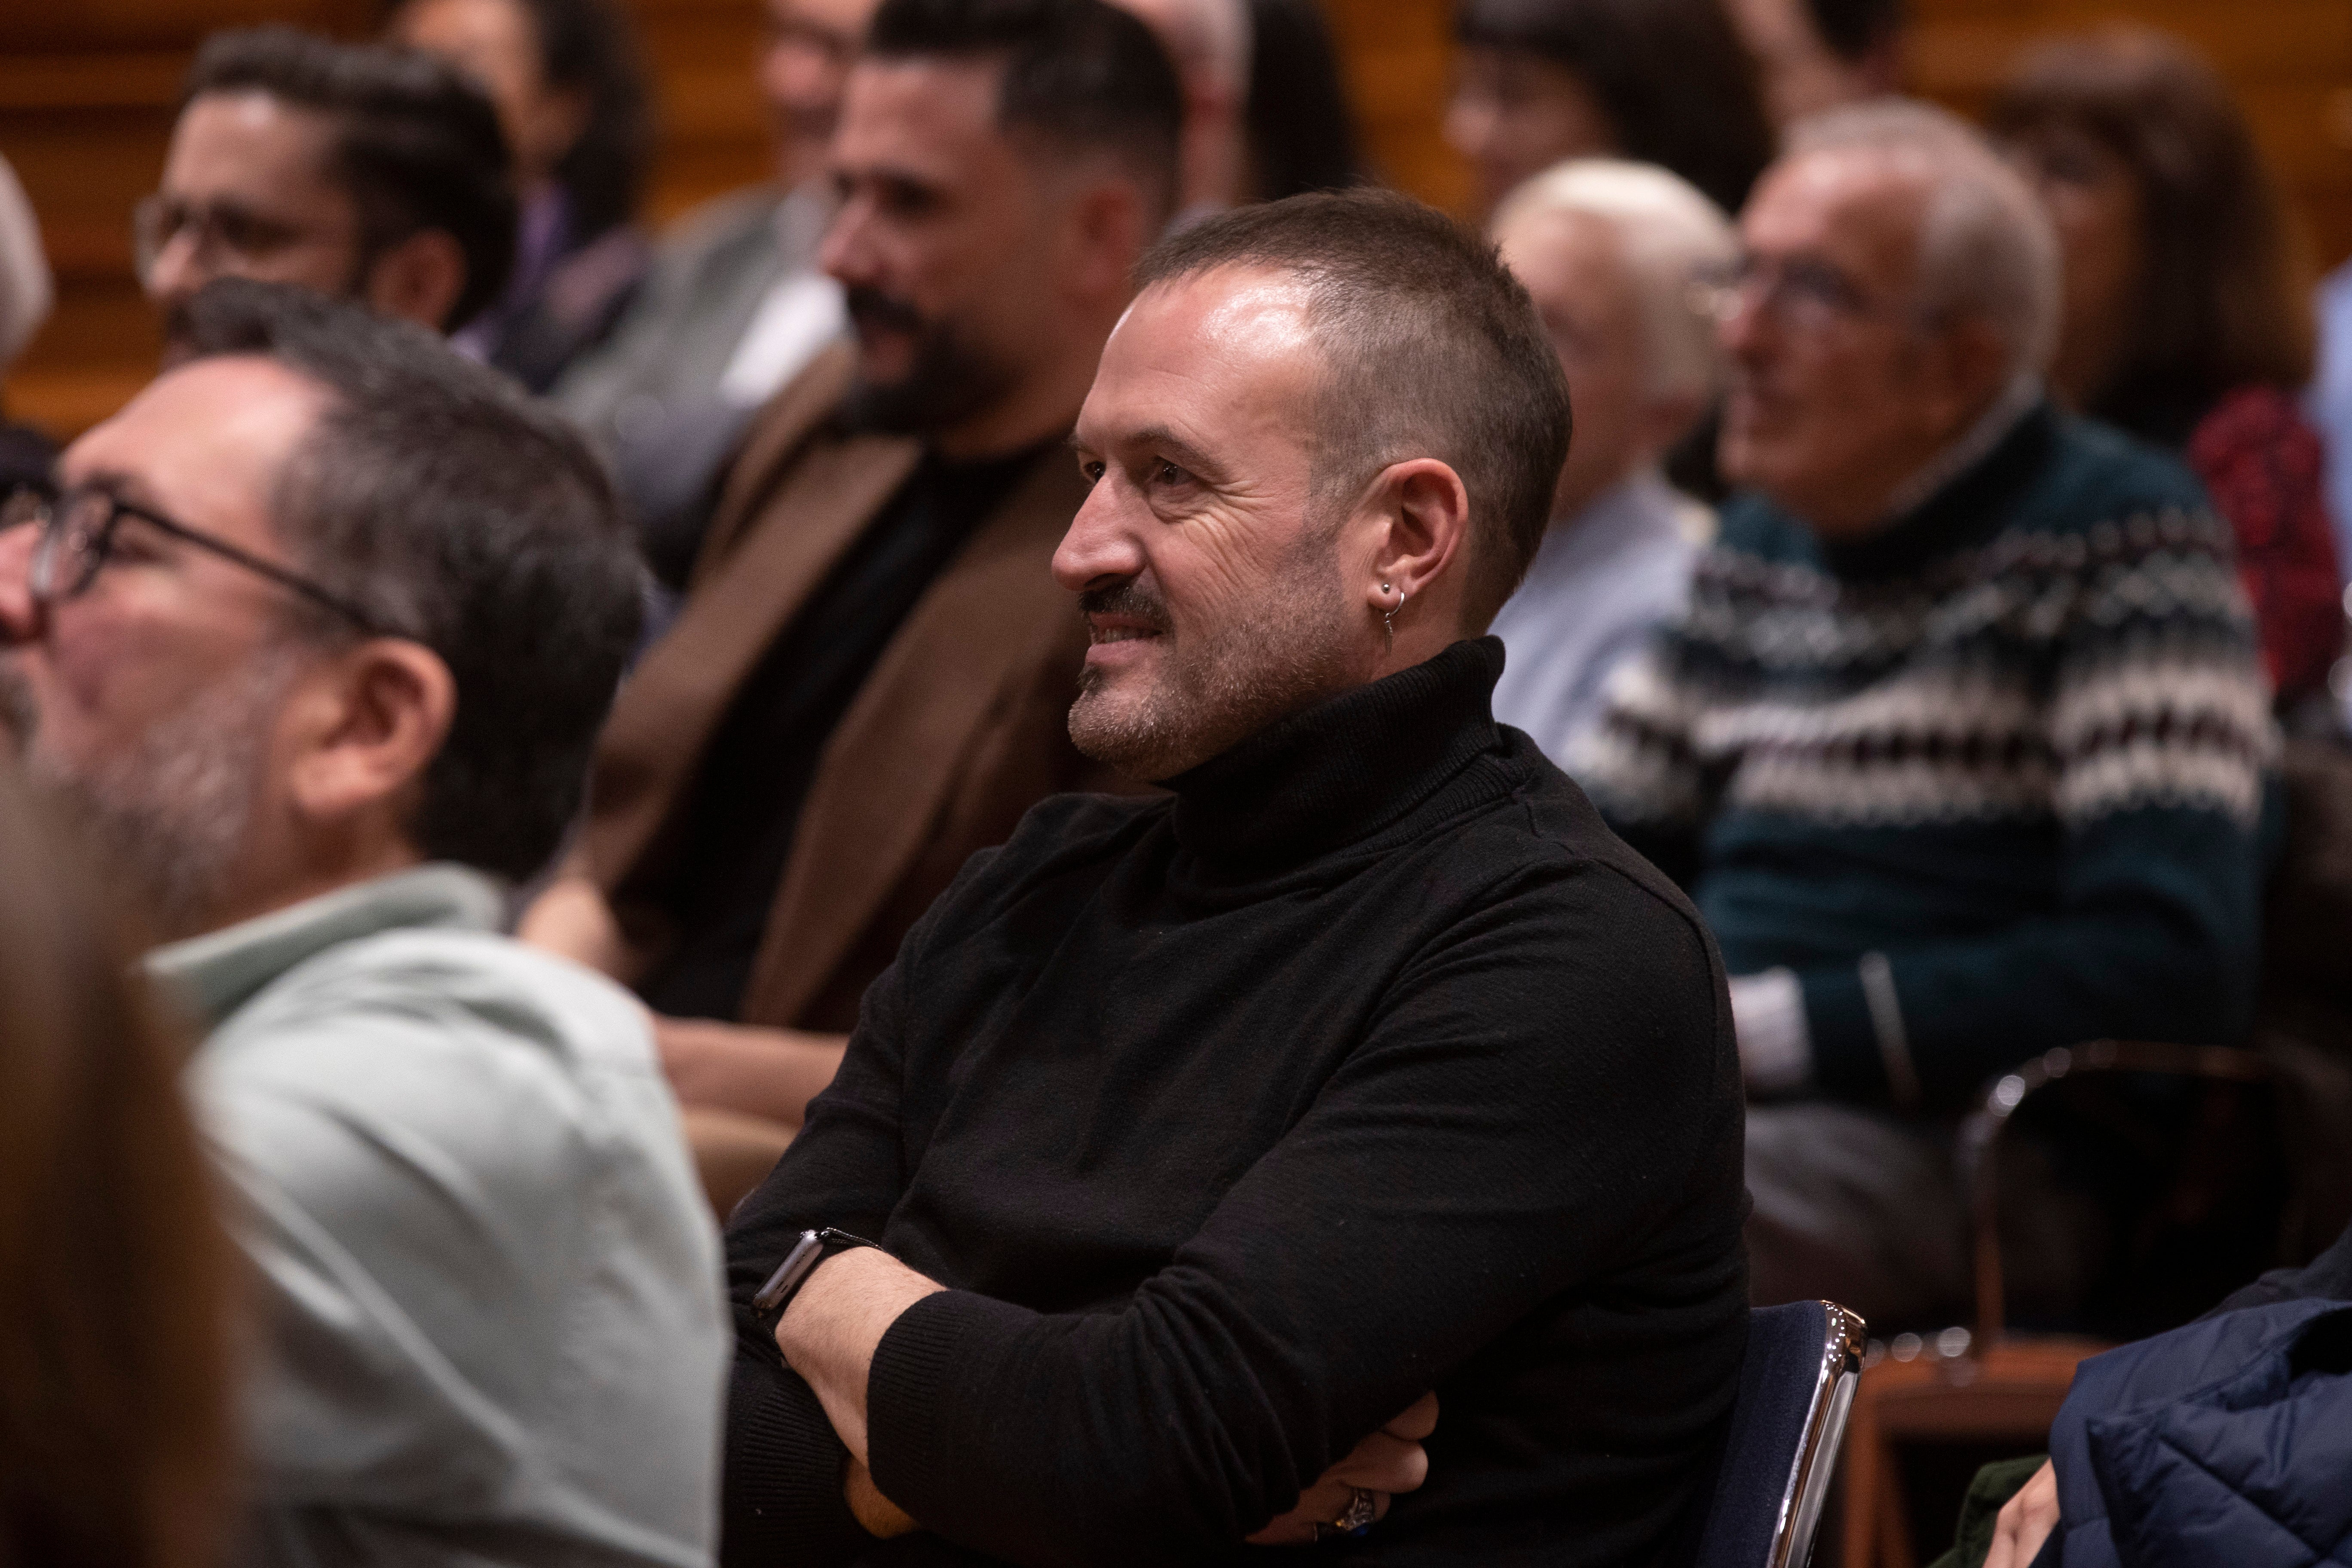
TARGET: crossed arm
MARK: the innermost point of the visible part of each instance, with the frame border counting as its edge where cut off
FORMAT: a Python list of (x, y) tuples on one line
[(835, 1323)]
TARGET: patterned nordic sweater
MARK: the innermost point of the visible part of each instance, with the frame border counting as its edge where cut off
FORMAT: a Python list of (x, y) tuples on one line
[(1987, 780)]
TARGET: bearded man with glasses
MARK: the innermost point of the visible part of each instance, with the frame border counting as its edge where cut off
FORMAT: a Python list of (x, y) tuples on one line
[(1960, 745), (315, 637), (360, 172)]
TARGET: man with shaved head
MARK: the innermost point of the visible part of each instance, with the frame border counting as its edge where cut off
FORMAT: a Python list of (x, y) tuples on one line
[(1344, 1142)]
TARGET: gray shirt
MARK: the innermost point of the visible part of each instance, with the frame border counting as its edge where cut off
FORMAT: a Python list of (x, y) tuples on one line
[(1600, 582), (492, 1329)]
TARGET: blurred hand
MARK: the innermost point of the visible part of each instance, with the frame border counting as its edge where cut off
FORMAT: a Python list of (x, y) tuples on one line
[(1389, 1460), (2025, 1521), (769, 1073)]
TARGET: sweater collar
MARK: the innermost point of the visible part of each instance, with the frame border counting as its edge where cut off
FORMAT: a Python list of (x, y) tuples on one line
[(1343, 770), (1971, 503)]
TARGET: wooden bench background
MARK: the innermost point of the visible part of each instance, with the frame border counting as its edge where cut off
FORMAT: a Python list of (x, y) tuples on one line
[(86, 89)]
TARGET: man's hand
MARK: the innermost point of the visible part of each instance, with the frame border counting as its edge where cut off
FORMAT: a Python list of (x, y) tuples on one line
[(875, 1514), (835, 1324), (2025, 1521), (1389, 1460), (768, 1073)]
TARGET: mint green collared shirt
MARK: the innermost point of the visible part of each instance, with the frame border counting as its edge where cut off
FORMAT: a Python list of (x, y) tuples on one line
[(493, 1328)]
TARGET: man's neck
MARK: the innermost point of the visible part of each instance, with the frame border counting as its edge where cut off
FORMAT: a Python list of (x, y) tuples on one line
[(1970, 447), (1042, 407), (299, 886)]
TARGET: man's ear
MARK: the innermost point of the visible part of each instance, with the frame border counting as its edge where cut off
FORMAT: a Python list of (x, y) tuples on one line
[(1420, 513), (419, 280), (1108, 231), (365, 727)]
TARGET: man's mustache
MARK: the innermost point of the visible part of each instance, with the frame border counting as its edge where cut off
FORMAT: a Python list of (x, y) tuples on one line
[(869, 307), (1130, 599)]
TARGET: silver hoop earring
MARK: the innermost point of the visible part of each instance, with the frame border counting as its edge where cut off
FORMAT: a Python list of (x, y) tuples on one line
[(1388, 616)]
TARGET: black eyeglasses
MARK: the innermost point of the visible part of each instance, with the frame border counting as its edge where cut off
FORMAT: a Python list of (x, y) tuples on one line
[(77, 528)]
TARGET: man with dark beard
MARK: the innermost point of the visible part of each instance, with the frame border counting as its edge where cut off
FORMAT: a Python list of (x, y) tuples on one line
[(317, 633), (1199, 1137), (867, 680)]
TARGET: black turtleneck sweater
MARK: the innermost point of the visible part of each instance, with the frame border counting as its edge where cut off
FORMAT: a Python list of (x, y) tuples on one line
[(1367, 1064)]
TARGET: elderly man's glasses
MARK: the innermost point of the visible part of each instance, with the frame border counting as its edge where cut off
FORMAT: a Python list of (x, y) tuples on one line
[(223, 231), (78, 530), (1800, 293)]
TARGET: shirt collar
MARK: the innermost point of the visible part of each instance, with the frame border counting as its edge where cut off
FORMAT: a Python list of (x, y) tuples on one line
[(217, 974)]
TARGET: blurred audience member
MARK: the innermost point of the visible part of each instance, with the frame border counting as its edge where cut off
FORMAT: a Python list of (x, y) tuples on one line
[(1614, 255), (1660, 81), (115, 1438), (572, 95), (363, 173), (1200, 1136), (735, 305), (1208, 42), (2330, 401), (1961, 741), (870, 679), (1301, 132), (317, 636), (25, 294), (1818, 55), (2188, 318)]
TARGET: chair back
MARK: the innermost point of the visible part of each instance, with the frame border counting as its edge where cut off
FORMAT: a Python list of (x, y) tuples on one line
[(1796, 1385)]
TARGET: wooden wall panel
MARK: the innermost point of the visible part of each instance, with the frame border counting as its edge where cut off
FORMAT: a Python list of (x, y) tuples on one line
[(86, 89)]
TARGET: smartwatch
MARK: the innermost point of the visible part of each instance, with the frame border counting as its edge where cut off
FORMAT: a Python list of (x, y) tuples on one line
[(813, 1249)]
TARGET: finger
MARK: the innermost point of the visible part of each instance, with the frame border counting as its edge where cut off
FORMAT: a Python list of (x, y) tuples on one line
[(1383, 1464), (1419, 1420), (1318, 1503)]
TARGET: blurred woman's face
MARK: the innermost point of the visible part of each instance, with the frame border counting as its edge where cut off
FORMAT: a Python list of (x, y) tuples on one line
[(2094, 201), (1515, 114)]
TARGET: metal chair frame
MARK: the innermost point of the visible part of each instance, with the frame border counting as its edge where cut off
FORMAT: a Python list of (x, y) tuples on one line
[(1817, 1454), (1980, 1135)]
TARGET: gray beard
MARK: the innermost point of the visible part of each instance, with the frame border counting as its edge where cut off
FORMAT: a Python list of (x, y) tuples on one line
[(1217, 690), (171, 814)]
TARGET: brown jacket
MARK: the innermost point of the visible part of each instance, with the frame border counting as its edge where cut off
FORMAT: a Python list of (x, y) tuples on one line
[(960, 728)]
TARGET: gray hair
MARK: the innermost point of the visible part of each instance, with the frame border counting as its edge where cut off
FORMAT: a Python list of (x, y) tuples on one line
[(1671, 237), (1987, 249)]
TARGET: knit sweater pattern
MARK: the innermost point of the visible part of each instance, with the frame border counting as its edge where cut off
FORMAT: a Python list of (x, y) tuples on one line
[(1986, 780)]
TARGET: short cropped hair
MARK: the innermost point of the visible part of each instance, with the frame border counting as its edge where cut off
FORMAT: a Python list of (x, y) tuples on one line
[(1987, 249), (1432, 349), (416, 144), (1671, 237), (451, 507), (1080, 76)]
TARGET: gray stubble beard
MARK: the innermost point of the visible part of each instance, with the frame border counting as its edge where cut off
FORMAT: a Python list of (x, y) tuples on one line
[(172, 815), (1289, 652)]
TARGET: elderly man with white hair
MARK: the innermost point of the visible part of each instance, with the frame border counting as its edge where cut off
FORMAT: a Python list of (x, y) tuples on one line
[(1961, 744), (1611, 252)]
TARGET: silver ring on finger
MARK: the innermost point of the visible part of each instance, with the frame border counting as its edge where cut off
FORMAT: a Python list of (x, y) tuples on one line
[(1363, 1508)]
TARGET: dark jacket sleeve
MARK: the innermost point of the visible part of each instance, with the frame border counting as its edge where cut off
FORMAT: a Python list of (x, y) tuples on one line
[(1537, 1094), (783, 1501)]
